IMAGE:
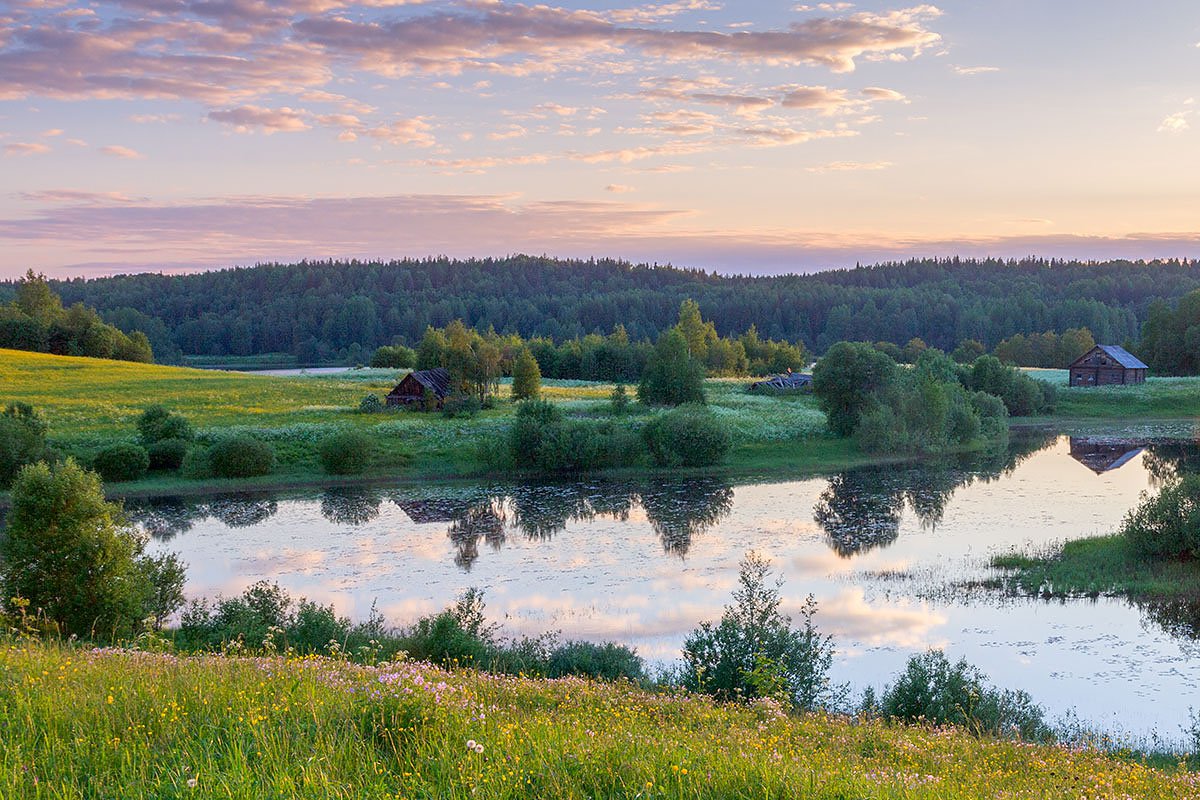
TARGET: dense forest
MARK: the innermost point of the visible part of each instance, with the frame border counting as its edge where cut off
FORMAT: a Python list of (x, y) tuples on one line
[(339, 311)]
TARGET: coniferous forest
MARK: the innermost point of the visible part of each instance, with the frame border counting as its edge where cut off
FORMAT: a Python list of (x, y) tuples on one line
[(339, 311)]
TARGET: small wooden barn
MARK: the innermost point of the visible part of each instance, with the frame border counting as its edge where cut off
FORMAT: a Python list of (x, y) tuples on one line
[(787, 382), (1107, 365), (413, 389)]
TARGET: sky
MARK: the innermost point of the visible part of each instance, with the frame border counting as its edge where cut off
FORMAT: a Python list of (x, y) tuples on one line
[(742, 137)]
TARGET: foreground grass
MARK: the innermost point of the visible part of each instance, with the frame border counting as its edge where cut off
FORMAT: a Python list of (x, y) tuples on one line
[(1102, 565), (81, 724)]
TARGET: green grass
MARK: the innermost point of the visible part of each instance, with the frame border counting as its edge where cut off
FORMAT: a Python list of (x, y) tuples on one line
[(1157, 398), (80, 723), (1102, 565)]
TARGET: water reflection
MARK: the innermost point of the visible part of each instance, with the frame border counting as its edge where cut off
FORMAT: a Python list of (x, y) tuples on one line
[(861, 509), (1103, 455), (351, 505)]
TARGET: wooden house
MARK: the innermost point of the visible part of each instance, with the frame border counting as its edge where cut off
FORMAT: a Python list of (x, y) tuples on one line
[(787, 382), (1107, 365), (416, 386)]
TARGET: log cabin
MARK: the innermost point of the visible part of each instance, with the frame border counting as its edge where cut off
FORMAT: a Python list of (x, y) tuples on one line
[(1107, 365), (415, 386)]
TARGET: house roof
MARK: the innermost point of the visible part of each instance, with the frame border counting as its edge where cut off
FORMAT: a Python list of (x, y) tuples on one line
[(436, 380), (1122, 356)]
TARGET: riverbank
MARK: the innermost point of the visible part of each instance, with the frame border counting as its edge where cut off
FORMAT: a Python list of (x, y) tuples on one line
[(1098, 566), (90, 404), (84, 723)]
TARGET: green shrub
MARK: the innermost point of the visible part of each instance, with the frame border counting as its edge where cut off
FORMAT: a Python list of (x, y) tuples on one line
[(22, 440), (346, 452), (167, 454), (371, 404), (755, 652), (157, 423), (618, 401), (197, 464), (393, 357), (542, 438), (1023, 396), (1167, 525), (606, 661), (240, 456), (461, 406), (933, 690), (122, 462), (687, 436)]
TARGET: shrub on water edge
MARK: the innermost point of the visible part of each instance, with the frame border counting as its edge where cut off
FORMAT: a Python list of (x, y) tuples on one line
[(240, 456), (196, 463), (1167, 525), (121, 462), (346, 452), (687, 436), (933, 690), (167, 454)]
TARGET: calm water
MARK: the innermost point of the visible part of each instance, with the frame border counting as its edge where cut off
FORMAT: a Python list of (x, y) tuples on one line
[(644, 562)]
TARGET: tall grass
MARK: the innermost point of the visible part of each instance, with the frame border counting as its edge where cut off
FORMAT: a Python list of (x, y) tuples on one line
[(79, 723)]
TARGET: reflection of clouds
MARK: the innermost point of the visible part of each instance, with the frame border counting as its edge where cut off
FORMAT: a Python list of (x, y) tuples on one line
[(624, 620), (848, 616)]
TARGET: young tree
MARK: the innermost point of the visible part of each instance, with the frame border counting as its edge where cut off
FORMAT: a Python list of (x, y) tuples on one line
[(527, 377), (22, 440), (672, 376), (76, 559)]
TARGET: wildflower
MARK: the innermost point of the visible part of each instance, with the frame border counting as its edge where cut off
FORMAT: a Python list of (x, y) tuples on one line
[(470, 744), (192, 782), (478, 748)]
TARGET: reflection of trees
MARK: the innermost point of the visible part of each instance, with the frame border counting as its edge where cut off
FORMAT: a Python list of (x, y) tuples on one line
[(1166, 461), (860, 510), (350, 505), (243, 509), (163, 518), (1179, 618), (483, 521), (681, 510)]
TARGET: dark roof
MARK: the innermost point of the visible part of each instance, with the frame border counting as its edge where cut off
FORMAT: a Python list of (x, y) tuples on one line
[(1122, 356), (436, 380), (790, 380)]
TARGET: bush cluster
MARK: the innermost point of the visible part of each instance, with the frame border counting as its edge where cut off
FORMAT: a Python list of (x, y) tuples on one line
[(1023, 396), (687, 436), (933, 690), (346, 452), (266, 618), (240, 456), (122, 462), (371, 404), (166, 436), (1167, 525), (542, 438), (393, 357)]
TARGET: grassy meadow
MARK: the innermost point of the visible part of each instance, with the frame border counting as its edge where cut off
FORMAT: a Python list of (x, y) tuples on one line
[(84, 723)]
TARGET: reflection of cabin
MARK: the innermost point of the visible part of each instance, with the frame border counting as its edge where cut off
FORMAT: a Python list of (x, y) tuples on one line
[(1107, 365), (424, 512), (411, 390), (1101, 456), (787, 382)]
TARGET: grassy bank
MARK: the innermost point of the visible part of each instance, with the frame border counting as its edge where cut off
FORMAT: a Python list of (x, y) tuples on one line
[(79, 724), (1157, 398), (1102, 565)]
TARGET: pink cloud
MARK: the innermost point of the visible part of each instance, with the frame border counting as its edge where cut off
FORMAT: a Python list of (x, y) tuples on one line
[(120, 151), (25, 148)]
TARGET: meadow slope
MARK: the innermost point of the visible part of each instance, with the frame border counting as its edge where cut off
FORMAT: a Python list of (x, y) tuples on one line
[(81, 723)]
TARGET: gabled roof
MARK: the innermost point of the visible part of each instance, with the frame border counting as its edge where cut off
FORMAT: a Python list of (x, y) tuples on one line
[(1122, 356), (436, 380)]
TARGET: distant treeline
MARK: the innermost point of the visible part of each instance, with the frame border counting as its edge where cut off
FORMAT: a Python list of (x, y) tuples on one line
[(327, 311)]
